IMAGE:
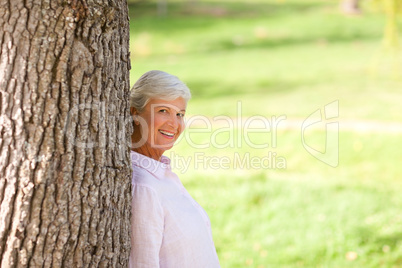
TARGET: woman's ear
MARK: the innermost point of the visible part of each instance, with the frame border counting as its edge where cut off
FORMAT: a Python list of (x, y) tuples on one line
[(133, 111), (134, 114)]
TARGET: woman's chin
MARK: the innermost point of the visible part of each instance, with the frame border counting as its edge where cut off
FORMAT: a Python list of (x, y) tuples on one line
[(167, 147), (163, 147)]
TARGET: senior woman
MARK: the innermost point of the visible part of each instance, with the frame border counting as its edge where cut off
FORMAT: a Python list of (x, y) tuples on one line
[(169, 229)]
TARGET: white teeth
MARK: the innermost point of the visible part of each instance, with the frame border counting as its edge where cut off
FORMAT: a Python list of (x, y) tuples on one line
[(166, 133)]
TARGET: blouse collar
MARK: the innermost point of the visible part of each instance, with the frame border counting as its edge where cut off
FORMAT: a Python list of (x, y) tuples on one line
[(157, 168)]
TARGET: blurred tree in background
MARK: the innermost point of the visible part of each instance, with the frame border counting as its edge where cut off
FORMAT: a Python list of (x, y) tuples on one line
[(389, 57), (392, 9), (350, 7)]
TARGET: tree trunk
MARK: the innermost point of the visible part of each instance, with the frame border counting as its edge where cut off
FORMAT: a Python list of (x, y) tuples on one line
[(65, 187)]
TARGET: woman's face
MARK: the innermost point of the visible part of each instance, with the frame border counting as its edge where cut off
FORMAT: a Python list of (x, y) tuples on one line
[(162, 122)]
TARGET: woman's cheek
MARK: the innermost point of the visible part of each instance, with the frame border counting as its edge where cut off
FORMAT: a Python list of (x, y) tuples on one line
[(180, 130)]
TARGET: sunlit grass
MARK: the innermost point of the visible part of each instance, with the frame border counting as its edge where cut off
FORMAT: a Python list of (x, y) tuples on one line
[(283, 58), (286, 53), (307, 215)]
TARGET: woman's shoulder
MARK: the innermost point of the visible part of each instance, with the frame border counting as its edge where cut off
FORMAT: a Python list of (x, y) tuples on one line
[(145, 178), (142, 176)]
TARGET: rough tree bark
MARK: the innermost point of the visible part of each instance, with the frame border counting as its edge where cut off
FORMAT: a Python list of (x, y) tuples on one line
[(65, 192)]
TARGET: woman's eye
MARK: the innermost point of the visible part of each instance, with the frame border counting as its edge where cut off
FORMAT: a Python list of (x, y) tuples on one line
[(163, 111), (180, 115)]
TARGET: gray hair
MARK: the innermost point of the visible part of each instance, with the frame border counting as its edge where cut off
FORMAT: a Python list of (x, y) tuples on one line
[(157, 85)]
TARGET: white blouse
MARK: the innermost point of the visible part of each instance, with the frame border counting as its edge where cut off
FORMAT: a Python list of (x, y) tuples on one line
[(169, 229)]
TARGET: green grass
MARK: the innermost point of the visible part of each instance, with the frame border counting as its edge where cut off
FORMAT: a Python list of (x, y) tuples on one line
[(286, 58), (308, 214), (296, 51)]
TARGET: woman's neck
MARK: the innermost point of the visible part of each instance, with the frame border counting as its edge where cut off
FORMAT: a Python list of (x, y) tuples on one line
[(145, 148), (148, 151)]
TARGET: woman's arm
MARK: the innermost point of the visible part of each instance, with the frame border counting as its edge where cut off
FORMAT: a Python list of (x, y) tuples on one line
[(147, 223)]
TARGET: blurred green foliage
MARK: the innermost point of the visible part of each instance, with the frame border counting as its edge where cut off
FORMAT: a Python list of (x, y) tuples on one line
[(285, 58)]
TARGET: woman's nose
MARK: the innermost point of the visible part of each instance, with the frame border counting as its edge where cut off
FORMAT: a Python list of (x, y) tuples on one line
[(174, 121)]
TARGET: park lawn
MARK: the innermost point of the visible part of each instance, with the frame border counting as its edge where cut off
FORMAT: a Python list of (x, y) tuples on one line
[(284, 58), (307, 214), (297, 52)]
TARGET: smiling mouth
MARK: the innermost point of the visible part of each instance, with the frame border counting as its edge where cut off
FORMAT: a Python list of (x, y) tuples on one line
[(168, 134)]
